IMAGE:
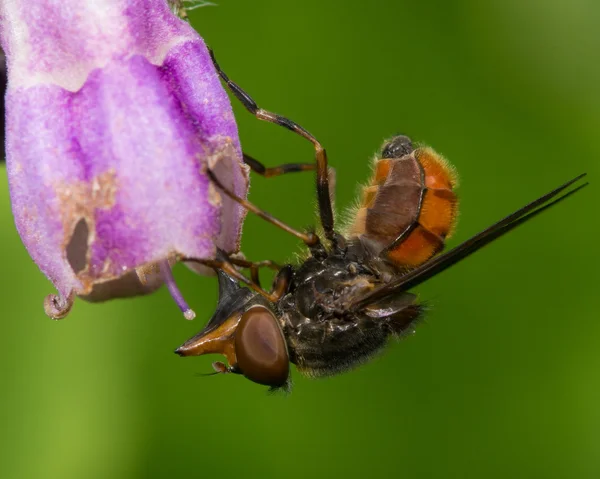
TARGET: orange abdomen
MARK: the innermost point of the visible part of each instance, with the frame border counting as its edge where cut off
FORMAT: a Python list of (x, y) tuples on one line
[(409, 208)]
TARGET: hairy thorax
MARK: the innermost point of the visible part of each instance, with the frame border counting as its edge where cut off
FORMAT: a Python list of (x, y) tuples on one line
[(324, 335)]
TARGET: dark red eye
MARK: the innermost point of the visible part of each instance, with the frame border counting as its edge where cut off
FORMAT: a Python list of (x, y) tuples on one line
[(260, 348)]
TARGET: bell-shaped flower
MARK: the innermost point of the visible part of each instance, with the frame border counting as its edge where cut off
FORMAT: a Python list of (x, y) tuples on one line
[(113, 112)]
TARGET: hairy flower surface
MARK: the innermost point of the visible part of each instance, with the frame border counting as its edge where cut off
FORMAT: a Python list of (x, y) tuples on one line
[(113, 112)]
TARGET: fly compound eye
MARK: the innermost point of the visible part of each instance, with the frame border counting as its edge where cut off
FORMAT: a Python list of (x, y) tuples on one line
[(260, 348), (397, 147)]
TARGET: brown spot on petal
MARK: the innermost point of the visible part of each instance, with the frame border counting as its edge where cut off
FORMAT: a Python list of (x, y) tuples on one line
[(225, 162), (78, 204), (214, 197), (150, 271), (81, 198), (223, 155)]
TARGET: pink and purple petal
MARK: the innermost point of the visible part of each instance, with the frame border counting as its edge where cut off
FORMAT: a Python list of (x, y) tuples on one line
[(114, 110)]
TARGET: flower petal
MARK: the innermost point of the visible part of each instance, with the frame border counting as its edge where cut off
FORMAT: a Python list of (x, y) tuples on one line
[(114, 110)]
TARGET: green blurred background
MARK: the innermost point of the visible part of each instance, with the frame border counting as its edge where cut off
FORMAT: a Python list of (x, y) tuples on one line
[(502, 380)]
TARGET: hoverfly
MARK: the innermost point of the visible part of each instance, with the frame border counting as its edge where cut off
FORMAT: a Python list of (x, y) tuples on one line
[(340, 306)]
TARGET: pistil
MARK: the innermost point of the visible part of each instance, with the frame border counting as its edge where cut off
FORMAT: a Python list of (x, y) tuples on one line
[(167, 274)]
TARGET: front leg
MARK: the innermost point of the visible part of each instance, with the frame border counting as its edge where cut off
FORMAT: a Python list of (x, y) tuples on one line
[(280, 284), (254, 267)]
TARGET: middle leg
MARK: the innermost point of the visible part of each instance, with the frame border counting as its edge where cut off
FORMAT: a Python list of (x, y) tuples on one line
[(254, 267), (267, 172)]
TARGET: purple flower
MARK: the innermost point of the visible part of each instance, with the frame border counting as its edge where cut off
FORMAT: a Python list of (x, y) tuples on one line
[(113, 111)]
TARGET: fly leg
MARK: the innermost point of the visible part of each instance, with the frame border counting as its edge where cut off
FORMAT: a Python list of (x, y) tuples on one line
[(323, 195), (310, 239), (273, 171), (254, 267), (280, 284)]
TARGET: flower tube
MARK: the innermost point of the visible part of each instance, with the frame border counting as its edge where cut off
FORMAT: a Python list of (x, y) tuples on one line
[(113, 113)]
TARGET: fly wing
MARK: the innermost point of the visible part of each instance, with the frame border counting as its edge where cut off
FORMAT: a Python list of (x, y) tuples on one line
[(389, 305), (439, 263), (397, 313)]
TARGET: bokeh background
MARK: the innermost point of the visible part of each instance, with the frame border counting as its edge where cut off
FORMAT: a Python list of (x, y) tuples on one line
[(502, 380)]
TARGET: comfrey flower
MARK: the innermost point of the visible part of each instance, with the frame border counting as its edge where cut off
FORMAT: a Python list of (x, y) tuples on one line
[(113, 112)]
